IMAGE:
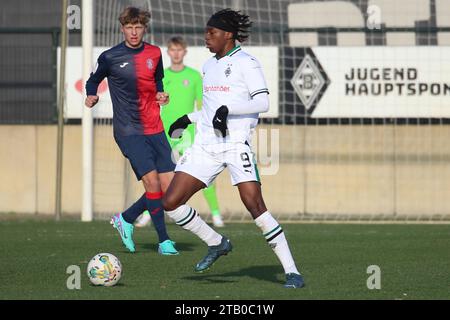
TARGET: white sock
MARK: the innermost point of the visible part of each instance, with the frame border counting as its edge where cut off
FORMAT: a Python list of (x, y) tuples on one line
[(277, 241), (187, 218)]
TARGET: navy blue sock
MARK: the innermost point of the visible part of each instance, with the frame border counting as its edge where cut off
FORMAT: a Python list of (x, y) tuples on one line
[(133, 212), (154, 206)]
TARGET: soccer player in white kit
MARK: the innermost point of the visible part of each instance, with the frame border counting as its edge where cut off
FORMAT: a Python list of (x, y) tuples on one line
[(234, 93)]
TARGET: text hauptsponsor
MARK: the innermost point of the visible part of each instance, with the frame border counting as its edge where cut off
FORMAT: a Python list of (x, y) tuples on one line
[(390, 81)]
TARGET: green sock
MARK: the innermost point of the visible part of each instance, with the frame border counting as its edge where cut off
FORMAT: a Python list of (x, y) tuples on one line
[(211, 198)]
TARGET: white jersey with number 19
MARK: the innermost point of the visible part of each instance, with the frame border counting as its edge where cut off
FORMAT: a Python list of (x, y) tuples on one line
[(232, 80)]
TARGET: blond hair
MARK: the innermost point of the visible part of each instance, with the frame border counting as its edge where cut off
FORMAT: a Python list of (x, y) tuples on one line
[(177, 41)]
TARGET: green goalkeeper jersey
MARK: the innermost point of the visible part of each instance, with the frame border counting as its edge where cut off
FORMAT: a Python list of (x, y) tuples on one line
[(185, 92)]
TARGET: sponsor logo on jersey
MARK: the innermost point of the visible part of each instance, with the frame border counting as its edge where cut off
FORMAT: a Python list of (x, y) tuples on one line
[(217, 88), (185, 82)]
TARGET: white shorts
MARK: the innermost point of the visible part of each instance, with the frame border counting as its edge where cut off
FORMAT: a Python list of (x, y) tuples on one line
[(206, 162)]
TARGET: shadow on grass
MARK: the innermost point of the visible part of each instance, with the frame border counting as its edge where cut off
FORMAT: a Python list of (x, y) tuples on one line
[(180, 246), (264, 273), (117, 285)]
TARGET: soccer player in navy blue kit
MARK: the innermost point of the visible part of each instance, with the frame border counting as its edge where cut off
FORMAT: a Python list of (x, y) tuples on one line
[(135, 71)]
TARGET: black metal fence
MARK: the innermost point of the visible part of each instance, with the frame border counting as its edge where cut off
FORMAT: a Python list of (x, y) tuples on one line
[(28, 75)]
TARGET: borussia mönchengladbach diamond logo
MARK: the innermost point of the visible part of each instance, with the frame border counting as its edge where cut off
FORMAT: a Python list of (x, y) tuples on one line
[(308, 82)]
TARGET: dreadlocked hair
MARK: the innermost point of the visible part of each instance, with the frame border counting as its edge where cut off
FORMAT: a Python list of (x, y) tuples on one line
[(237, 20)]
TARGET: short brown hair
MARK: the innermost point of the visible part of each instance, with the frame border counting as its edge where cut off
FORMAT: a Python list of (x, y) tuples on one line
[(177, 41), (134, 15)]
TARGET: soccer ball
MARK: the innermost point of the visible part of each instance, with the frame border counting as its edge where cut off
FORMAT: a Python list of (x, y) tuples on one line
[(104, 269)]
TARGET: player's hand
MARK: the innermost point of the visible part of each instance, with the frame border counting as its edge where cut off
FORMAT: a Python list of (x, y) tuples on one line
[(220, 120), (177, 128), (91, 101), (162, 98)]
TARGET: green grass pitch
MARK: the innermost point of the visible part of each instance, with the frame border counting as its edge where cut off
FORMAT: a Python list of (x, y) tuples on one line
[(413, 259)]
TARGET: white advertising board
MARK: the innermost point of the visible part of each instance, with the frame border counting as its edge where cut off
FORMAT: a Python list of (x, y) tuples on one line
[(372, 82), (196, 56)]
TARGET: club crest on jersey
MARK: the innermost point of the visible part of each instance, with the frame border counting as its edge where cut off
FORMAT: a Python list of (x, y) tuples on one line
[(185, 82), (227, 71), (150, 64)]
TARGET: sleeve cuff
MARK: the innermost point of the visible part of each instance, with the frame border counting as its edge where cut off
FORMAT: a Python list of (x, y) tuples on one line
[(230, 109), (194, 116)]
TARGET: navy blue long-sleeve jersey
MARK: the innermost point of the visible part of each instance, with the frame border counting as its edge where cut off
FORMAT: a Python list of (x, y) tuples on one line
[(134, 78)]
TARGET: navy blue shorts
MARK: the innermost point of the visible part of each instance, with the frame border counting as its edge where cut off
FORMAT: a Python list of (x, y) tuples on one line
[(147, 153)]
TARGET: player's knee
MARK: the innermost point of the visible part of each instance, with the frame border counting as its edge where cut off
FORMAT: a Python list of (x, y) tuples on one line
[(151, 184)]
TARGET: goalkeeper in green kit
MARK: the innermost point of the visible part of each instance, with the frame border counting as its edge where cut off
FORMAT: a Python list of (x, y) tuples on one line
[(185, 89)]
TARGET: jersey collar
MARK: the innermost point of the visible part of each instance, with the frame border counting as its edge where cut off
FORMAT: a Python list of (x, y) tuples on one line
[(133, 50), (231, 52), (171, 70)]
